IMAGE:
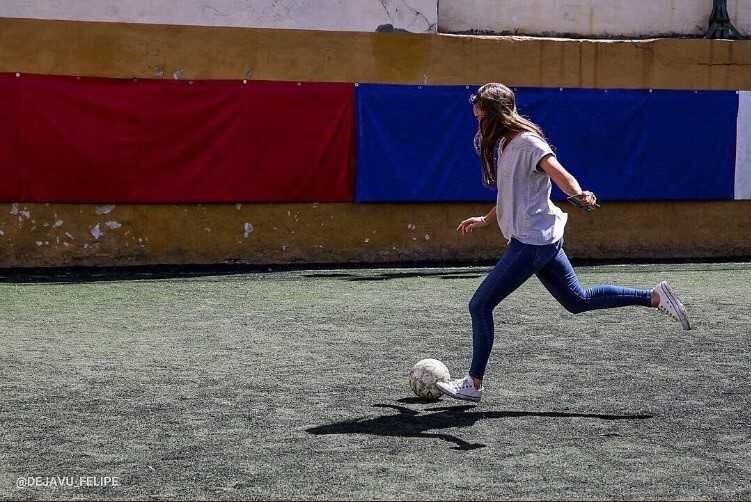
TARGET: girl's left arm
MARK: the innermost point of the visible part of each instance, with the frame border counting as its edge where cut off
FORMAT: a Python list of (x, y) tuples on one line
[(564, 179)]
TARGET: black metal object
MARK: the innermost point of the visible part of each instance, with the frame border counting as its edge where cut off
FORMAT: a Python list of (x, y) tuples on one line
[(719, 23)]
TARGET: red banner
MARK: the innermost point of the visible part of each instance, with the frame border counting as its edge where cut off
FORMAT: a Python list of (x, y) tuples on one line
[(94, 140)]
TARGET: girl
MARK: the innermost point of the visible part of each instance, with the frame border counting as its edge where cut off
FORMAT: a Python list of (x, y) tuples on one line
[(517, 159)]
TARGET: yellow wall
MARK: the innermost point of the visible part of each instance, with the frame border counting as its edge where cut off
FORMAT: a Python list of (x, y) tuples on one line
[(61, 234), (136, 50)]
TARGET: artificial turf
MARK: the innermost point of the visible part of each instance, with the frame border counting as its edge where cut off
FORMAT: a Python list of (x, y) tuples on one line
[(293, 385)]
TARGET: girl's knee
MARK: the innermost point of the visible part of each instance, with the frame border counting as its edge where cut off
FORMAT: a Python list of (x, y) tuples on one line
[(575, 304), (477, 305)]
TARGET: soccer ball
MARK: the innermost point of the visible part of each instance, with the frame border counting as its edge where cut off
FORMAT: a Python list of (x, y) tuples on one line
[(424, 375)]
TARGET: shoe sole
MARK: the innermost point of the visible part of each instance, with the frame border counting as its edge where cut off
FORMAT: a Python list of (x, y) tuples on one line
[(677, 305), (459, 396)]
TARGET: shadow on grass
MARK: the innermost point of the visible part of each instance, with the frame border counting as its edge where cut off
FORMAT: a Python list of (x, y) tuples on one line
[(88, 274), (78, 275), (414, 424), (387, 276)]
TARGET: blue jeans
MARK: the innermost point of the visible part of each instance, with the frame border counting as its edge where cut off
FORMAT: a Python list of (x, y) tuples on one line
[(550, 264)]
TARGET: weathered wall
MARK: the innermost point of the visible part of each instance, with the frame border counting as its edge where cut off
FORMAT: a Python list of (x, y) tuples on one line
[(599, 18), (60, 235), (602, 18), (56, 234), (340, 15), (153, 51)]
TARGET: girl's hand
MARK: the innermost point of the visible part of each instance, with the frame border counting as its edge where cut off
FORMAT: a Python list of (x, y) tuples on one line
[(588, 198), (585, 200), (470, 223)]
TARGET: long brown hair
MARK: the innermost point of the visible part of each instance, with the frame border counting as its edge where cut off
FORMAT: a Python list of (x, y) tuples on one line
[(498, 104)]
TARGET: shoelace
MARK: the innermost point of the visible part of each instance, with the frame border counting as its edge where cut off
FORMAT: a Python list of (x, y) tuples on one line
[(459, 384), (665, 311), (466, 385)]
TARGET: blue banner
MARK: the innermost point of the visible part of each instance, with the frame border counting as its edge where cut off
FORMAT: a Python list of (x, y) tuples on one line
[(415, 142)]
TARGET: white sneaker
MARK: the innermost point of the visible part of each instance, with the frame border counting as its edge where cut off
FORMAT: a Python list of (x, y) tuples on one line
[(671, 305), (463, 388)]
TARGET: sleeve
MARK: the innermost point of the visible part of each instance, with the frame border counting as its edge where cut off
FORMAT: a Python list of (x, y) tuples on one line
[(538, 149)]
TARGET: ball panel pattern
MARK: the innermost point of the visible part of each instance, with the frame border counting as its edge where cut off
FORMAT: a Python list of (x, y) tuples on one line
[(424, 375)]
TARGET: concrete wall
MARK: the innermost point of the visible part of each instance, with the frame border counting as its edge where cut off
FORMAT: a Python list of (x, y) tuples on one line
[(342, 15), (599, 18), (153, 51), (72, 234)]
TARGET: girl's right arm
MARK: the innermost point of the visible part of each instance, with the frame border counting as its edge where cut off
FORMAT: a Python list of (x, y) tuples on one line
[(476, 221), (566, 181)]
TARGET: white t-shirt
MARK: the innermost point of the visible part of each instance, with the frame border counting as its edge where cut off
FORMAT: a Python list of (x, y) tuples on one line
[(523, 206)]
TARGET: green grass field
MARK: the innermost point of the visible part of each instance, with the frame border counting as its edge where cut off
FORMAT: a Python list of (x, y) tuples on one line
[(292, 385)]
